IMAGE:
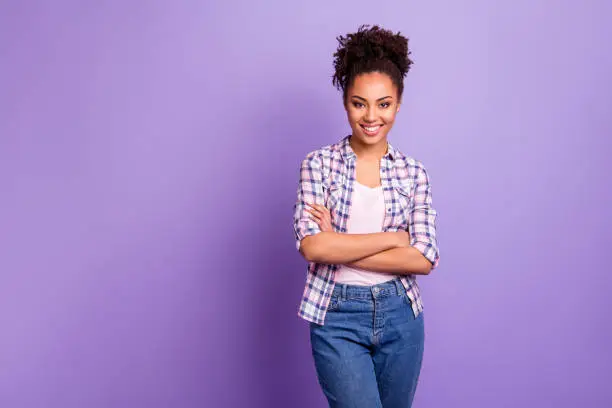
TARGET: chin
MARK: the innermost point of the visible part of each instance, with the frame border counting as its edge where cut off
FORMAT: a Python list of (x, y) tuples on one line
[(370, 140)]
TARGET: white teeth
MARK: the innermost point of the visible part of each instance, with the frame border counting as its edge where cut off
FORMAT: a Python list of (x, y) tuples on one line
[(371, 129)]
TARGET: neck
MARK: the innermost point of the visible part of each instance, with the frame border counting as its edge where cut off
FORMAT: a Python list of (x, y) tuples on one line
[(369, 152)]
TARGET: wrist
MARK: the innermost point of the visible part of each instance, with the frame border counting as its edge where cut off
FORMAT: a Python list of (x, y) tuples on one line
[(404, 239), (398, 240)]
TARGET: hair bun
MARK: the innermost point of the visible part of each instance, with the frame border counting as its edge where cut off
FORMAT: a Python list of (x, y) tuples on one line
[(367, 46), (375, 44)]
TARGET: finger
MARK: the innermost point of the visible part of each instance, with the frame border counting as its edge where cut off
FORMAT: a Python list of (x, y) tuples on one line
[(322, 208), (312, 210), (315, 217), (316, 211), (312, 206)]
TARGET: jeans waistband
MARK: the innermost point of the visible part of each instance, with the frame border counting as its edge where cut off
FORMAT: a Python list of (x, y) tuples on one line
[(392, 287)]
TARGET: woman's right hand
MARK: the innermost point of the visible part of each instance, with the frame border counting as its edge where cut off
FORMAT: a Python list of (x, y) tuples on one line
[(321, 215)]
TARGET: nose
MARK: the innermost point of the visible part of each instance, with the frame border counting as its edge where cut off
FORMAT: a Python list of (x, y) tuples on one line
[(370, 115)]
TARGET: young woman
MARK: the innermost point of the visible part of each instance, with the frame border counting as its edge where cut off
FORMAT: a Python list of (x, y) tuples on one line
[(364, 221)]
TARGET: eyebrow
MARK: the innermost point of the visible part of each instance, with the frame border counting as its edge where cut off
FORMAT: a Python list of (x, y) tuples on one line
[(365, 100)]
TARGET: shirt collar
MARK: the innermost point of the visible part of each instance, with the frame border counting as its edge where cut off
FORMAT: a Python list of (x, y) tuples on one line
[(348, 153)]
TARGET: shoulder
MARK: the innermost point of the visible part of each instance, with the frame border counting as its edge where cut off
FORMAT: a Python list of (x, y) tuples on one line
[(323, 156), (402, 160), (408, 166)]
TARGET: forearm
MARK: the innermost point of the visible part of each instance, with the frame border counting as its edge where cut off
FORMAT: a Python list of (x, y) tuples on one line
[(337, 248), (404, 260)]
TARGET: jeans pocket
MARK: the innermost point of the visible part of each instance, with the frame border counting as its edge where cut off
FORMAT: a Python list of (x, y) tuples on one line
[(405, 297), (334, 303)]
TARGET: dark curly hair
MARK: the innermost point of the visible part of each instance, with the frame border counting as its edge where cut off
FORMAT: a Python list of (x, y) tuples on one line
[(371, 49)]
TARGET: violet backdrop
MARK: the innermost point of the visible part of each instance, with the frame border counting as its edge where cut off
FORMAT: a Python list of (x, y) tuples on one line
[(149, 157)]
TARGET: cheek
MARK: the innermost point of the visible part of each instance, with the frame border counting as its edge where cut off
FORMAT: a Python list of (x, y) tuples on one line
[(353, 115), (389, 117)]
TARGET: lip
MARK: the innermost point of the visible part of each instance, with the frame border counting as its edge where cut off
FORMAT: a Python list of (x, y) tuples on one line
[(368, 133)]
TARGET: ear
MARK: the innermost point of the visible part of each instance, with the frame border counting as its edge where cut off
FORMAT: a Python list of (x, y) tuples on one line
[(398, 107)]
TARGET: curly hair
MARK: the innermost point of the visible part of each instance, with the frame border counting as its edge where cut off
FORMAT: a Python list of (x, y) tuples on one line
[(371, 49)]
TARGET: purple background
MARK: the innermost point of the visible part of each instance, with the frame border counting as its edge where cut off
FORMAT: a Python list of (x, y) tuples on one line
[(149, 157)]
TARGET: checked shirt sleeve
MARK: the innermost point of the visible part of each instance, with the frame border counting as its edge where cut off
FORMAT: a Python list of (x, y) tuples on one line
[(310, 191), (422, 220)]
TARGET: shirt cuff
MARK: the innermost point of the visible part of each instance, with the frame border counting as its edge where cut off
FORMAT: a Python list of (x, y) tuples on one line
[(429, 252), (303, 233)]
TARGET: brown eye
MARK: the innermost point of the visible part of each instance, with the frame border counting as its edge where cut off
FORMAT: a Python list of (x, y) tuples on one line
[(358, 104), (385, 105)]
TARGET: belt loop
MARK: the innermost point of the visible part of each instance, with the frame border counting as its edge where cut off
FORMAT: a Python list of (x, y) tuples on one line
[(399, 286), (344, 285)]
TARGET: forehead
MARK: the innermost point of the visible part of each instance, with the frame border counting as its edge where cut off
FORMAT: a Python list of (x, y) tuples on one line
[(372, 85)]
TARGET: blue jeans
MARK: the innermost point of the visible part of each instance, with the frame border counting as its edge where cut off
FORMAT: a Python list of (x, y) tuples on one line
[(369, 351)]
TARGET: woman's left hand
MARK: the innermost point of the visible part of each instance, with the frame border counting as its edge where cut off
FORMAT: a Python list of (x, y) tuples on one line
[(321, 215)]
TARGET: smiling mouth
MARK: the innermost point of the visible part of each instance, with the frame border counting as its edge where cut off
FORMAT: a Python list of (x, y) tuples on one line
[(371, 130)]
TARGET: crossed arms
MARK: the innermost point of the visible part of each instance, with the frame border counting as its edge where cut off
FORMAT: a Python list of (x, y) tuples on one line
[(402, 252)]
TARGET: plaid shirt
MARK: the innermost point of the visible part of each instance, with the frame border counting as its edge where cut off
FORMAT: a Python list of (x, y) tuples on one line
[(327, 176)]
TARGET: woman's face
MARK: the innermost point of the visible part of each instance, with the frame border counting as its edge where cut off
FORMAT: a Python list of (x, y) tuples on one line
[(371, 105)]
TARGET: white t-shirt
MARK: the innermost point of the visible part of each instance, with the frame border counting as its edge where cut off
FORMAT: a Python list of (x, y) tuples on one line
[(367, 213)]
